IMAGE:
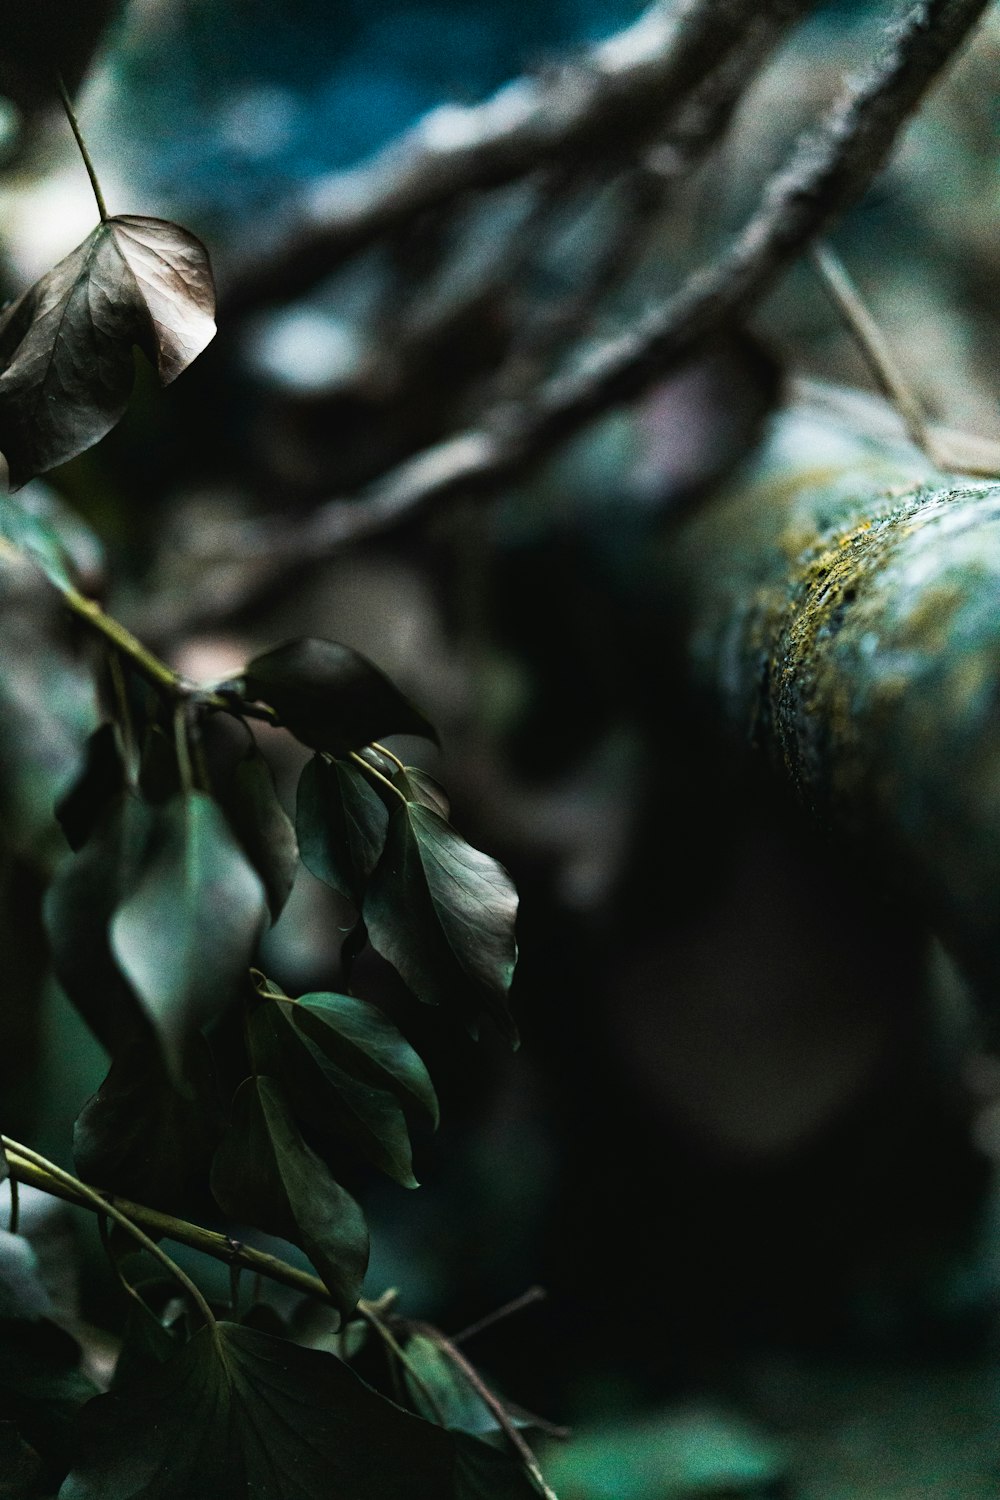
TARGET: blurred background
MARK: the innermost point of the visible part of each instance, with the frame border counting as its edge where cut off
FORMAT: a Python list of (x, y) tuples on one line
[(749, 1143)]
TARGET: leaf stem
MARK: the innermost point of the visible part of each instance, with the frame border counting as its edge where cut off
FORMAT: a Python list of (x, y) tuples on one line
[(151, 667), (384, 750), (493, 1402), (67, 105), (517, 1304), (359, 760), (15, 1200), (25, 1166), (372, 1318), (183, 749), (870, 339), (103, 1205)]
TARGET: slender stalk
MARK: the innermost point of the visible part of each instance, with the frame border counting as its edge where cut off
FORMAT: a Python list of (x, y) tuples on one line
[(517, 1304), (25, 1168), (954, 452), (67, 105), (183, 749), (372, 1318), (384, 750), (870, 340), (151, 667), (493, 1402), (15, 1203), (103, 1205), (369, 770)]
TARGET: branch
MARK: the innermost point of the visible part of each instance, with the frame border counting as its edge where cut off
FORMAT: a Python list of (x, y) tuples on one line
[(839, 604), (623, 88), (26, 1168), (829, 170)]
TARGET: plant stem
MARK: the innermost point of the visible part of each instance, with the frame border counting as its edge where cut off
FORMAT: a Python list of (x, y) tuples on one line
[(103, 1205), (25, 1166), (359, 760), (15, 1199), (495, 1405), (67, 105), (517, 1304), (870, 340), (372, 1318), (384, 750), (183, 749), (151, 667)]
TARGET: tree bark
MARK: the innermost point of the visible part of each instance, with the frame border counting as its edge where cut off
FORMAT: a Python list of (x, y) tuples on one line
[(841, 602)]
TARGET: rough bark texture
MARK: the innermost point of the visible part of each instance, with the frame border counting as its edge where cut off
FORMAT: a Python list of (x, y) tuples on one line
[(843, 604)]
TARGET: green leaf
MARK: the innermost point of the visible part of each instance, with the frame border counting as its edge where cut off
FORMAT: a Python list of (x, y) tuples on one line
[(440, 1392), (417, 786), (141, 1138), (237, 1413), (78, 907), (262, 826), (47, 709), (359, 1037), (54, 537), (185, 936), (329, 696), (265, 1175), (100, 780), (443, 913), (341, 823), (66, 343), (334, 1106)]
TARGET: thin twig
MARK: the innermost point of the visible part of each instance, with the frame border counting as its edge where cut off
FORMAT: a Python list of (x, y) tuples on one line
[(93, 1199), (619, 91), (74, 124), (517, 1304), (954, 452), (829, 169), (491, 1401)]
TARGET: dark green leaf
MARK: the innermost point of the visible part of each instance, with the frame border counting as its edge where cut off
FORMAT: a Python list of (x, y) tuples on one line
[(185, 936), (440, 1392), (262, 826), (56, 539), (66, 343), (341, 823), (79, 905), (237, 1413), (330, 696), (47, 709), (101, 778), (139, 1137), (359, 1037), (334, 1106), (417, 786), (265, 1175), (442, 913)]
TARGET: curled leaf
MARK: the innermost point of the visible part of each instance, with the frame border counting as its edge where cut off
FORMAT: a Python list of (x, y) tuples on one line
[(66, 343), (330, 696)]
